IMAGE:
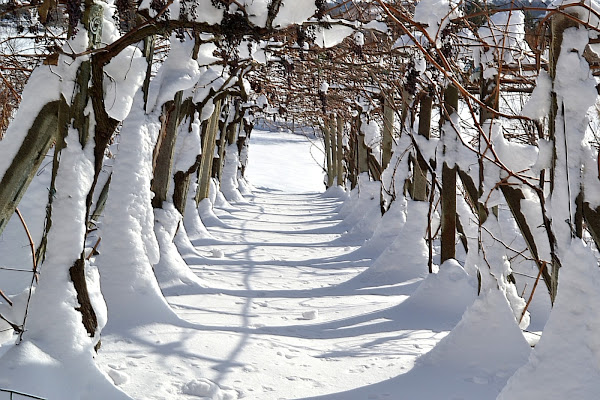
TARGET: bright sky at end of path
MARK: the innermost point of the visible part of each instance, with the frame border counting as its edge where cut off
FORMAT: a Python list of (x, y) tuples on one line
[(295, 166)]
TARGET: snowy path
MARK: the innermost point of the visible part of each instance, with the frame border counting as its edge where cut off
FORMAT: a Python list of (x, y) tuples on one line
[(279, 315), (275, 317), (273, 321), (268, 288)]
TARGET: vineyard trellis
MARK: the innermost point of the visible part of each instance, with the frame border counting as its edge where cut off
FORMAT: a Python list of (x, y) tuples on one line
[(428, 104)]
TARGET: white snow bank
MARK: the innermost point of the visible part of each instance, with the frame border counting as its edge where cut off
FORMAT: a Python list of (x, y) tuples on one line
[(564, 363), (443, 297), (229, 181), (171, 271), (129, 247), (406, 258)]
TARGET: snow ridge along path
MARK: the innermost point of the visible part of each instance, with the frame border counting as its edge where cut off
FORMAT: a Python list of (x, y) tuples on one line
[(281, 311)]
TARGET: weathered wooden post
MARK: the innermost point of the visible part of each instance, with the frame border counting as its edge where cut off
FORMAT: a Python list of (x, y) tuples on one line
[(419, 191), (44, 131), (208, 150), (165, 149), (448, 196), (388, 131), (363, 150), (333, 147), (558, 26), (328, 154), (340, 151)]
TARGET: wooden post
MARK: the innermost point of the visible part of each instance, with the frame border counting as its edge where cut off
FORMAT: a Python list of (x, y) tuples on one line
[(41, 135), (340, 151), (219, 159), (149, 55), (448, 244), (388, 131), (165, 149), (406, 99), (334, 149), (363, 150), (352, 155), (558, 25), (419, 191), (208, 149), (328, 159)]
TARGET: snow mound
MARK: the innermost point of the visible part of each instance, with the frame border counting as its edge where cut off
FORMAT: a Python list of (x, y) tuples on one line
[(171, 270), (486, 341), (443, 297), (204, 388), (385, 232), (191, 219), (312, 314), (406, 258), (571, 332), (28, 368), (335, 192), (118, 377)]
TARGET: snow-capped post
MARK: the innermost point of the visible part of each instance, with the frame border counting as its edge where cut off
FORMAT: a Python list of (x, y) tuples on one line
[(419, 191), (340, 151), (333, 147), (328, 160), (388, 130), (229, 132), (242, 145), (362, 149), (244, 138), (558, 137), (208, 149), (352, 155), (558, 25), (149, 55), (407, 99), (165, 149), (448, 239), (221, 140)]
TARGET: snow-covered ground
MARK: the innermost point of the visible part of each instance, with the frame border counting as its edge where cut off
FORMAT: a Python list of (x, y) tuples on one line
[(274, 318), (278, 315), (283, 310)]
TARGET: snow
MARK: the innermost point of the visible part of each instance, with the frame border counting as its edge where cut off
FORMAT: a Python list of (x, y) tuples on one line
[(179, 72), (330, 37), (538, 105), (229, 184), (435, 15), (280, 290), (294, 293), (283, 175), (124, 76), (129, 247), (294, 12), (570, 332)]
